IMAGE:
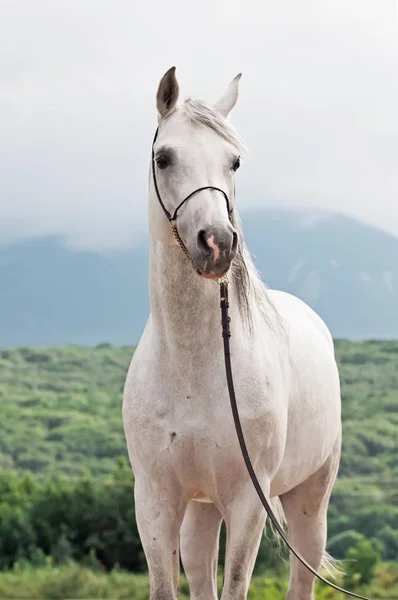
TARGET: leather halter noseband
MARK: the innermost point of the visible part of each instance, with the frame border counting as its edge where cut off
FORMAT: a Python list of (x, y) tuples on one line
[(172, 218), (226, 334)]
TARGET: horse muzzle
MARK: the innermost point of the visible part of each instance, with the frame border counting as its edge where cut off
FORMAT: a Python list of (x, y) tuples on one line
[(215, 251)]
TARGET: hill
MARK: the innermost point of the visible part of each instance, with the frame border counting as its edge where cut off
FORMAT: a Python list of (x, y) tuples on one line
[(61, 408), (61, 414), (347, 271)]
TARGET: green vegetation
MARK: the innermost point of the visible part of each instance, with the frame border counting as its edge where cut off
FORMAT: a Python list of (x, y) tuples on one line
[(78, 581), (61, 410), (66, 490)]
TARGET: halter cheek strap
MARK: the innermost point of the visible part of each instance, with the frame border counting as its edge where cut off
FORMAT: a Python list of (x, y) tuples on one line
[(172, 218)]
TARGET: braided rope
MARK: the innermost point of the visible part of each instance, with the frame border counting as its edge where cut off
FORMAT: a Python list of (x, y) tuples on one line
[(177, 238)]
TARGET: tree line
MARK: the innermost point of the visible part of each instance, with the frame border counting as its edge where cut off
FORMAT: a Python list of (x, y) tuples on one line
[(87, 518)]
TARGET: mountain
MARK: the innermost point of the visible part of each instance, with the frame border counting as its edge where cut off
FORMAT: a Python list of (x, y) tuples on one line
[(347, 271)]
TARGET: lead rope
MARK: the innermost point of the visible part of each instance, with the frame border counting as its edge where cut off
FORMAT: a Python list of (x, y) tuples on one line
[(226, 334)]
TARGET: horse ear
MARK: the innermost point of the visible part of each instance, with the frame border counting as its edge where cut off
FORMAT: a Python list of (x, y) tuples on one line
[(228, 100), (167, 94)]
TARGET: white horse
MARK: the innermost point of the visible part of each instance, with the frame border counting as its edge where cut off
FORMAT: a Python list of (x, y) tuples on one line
[(189, 472)]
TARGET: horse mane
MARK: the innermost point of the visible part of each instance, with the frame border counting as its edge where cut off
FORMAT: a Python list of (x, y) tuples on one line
[(248, 284), (247, 281)]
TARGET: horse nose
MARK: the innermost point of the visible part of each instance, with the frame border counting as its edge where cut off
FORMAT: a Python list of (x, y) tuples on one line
[(218, 243)]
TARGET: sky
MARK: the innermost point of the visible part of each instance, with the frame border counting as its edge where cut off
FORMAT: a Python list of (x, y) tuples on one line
[(78, 79)]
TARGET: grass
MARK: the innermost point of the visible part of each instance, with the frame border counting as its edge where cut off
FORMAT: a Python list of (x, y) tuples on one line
[(71, 581)]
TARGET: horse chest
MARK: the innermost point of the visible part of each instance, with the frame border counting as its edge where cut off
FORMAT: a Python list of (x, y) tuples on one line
[(191, 434), (178, 419)]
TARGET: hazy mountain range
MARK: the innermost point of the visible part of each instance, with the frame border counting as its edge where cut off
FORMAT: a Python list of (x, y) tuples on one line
[(347, 271)]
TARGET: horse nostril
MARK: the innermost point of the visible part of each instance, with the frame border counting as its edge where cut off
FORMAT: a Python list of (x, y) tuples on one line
[(222, 243), (234, 241), (202, 242)]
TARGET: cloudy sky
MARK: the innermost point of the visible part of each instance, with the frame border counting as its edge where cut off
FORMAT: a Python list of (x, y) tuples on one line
[(78, 78)]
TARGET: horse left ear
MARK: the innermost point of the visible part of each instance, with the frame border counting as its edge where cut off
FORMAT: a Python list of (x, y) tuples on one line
[(228, 100), (167, 95)]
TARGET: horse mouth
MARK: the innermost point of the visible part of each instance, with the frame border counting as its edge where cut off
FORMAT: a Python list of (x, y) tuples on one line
[(212, 274)]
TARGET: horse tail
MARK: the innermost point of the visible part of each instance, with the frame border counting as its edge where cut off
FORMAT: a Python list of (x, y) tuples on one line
[(331, 566)]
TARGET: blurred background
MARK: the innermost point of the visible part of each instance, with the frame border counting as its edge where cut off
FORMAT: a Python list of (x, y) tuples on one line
[(318, 200)]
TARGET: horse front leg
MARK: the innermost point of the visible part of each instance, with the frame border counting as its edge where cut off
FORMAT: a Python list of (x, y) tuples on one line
[(245, 521), (159, 513), (200, 533)]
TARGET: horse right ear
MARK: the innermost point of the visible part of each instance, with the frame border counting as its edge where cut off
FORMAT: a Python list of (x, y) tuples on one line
[(168, 90), (228, 100)]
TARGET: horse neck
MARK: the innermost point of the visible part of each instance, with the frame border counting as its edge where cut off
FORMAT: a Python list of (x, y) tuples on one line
[(185, 309)]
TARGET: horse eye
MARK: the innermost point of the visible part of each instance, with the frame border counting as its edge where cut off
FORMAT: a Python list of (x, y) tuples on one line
[(162, 162), (236, 164)]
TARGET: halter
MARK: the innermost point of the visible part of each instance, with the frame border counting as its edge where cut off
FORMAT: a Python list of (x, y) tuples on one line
[(226, 334), (172, 218)]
